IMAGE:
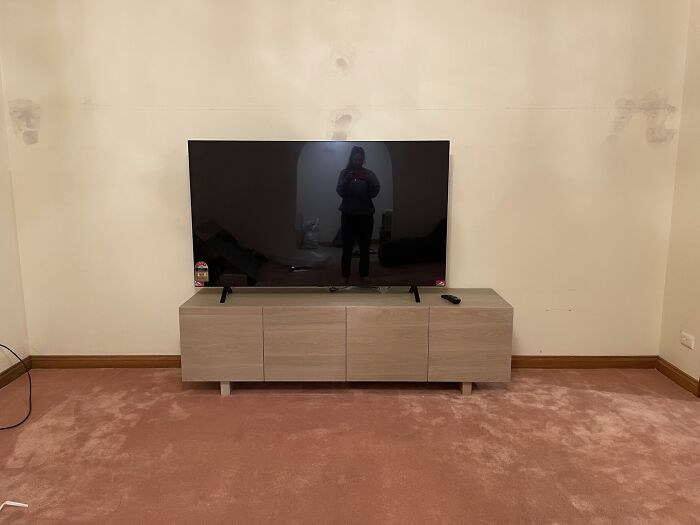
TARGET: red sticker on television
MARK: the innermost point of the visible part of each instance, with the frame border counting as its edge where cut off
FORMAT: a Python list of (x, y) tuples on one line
[(201, 273), (439, 282)]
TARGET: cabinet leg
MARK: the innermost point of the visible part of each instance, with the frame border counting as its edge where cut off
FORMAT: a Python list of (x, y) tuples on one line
[(225, 388), (466, 388)]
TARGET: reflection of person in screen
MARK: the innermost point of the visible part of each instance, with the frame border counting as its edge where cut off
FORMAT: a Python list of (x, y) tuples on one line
[(357, 186)]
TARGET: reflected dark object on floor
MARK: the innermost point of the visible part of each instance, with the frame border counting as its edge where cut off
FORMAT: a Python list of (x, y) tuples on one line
[(356, 253), (424, 274), (385, 227), (430, 248), (356, 231), (230, 264), (384, 232)]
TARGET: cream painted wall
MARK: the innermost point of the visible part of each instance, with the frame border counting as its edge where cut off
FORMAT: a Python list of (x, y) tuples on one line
[(13, 327), (682, 300), (562, 168)]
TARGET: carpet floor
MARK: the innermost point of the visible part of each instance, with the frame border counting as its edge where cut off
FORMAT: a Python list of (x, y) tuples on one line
[(552, 447)]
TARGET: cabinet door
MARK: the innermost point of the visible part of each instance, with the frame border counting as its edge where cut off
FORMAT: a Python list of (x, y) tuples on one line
[(304, 343), (470, 344), (387, 344), (221, 344)]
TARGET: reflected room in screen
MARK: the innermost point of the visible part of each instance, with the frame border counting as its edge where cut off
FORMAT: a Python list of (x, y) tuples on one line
[(319, 213)]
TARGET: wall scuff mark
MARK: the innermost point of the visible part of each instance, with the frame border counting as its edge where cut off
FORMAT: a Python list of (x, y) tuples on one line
[(342, 121), (26, 116), (655, 108), (342, 59)]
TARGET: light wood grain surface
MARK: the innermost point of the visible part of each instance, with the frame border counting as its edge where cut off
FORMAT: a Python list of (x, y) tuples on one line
[(387, 344), (222, 344), (305, 343), (471, 298), (470, 344), (309, 334)]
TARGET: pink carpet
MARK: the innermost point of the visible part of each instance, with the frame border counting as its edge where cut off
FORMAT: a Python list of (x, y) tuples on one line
[(566, 447)]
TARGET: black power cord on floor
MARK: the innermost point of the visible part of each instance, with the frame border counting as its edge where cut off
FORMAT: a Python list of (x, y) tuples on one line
[(29, 376)]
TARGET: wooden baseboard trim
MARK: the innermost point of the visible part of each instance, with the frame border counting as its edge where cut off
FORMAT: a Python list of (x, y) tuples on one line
[(106, 361), (541, 361), (173, 361), (518, 361), (677, 375), (15, 371)]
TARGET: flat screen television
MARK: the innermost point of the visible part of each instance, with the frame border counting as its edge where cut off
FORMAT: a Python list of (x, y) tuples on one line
[(319, 213)]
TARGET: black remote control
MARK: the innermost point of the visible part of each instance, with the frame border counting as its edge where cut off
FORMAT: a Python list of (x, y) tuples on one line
[(452, 298)]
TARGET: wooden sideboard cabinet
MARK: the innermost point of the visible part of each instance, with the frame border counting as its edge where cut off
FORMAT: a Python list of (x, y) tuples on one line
[(313, 335)]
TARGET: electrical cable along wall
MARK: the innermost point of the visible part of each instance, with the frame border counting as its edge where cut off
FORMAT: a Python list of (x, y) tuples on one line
[(29, 376)]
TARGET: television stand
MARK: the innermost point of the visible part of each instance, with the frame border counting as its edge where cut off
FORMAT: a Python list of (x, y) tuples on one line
[(312, 335), (416, 295), (224, 292)]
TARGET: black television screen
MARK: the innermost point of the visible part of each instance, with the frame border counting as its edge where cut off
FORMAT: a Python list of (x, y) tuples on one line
[(319, 213)]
